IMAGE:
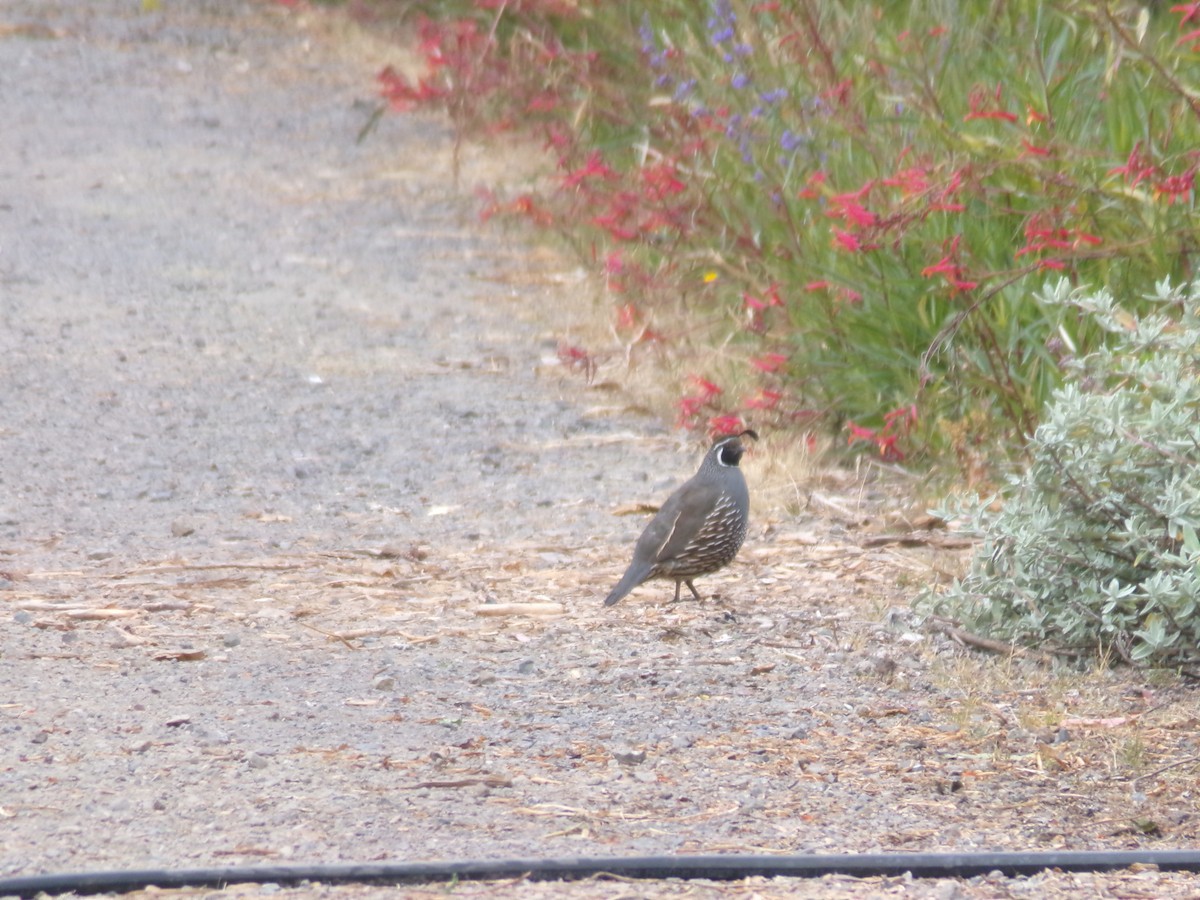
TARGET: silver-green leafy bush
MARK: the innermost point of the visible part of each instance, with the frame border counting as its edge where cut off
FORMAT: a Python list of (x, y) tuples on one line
[(1094, 547)]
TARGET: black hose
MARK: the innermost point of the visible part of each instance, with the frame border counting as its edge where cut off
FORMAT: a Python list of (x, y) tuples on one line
[(716, 868)]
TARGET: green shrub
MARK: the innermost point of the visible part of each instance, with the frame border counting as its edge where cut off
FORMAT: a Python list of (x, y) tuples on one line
[(1095, 547)]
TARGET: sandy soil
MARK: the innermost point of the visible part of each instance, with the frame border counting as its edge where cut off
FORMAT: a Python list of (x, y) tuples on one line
[(303, 544)]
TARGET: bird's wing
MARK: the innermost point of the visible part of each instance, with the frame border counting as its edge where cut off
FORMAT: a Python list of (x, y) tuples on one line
[(679, 520)]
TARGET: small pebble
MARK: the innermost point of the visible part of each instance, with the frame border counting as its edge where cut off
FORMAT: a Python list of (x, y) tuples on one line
[(386, 683)]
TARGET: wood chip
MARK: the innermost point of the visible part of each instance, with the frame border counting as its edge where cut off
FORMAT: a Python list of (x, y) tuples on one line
[(489, 780), (520, 609), (84, 615), (180, 655)]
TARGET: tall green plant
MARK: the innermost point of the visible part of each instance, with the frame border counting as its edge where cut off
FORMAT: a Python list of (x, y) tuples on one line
[(853, 199)]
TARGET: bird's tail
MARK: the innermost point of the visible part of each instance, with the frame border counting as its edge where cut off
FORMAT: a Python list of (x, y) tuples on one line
[(633, 576)]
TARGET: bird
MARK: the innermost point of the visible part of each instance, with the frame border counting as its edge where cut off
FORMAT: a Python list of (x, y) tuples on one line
[(701, 526)]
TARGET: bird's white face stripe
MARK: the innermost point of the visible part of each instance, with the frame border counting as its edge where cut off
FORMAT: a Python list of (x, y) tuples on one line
[(721, 452)]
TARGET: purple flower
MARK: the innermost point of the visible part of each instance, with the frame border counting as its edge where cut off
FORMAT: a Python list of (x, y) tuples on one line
[(649, 42), (684, 88), (739, 81), (774, 96), (720, 23), (790, 141)]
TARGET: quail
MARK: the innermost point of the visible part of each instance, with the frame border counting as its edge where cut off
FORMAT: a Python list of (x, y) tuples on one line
[(701, 526)]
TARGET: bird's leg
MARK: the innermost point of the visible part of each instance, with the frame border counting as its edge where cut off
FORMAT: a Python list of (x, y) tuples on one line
[(691, 587)]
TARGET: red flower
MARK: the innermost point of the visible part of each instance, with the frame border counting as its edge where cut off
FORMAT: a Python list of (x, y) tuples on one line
[(896, 424), (689, 408), (847, 240), (910, 181), (813, 183), (1137, 168), (1174, 187), (1192, 37), (839, 94), (1031, 149), (525, 205), (942, 267), (708, 390), (557, 137), (763, 399), (851, 211), (593, 167), (403, 96), (726, 425), (1187, 11), (906, 416), (611, 222), (545, 101), (769, 362), (949, 268), (986, 105), (660, 181)]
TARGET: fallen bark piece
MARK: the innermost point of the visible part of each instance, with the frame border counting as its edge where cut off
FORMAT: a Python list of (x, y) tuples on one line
[(489, 780), (85, 615), (180, 655), (520, 609)]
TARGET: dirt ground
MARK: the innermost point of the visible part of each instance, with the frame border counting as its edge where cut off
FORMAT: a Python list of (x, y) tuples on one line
[(303, 537)]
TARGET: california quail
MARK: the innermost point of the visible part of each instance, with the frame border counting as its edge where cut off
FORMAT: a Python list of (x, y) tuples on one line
[(701, 526)]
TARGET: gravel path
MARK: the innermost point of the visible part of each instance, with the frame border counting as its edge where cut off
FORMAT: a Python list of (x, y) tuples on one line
[(302, 561)]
